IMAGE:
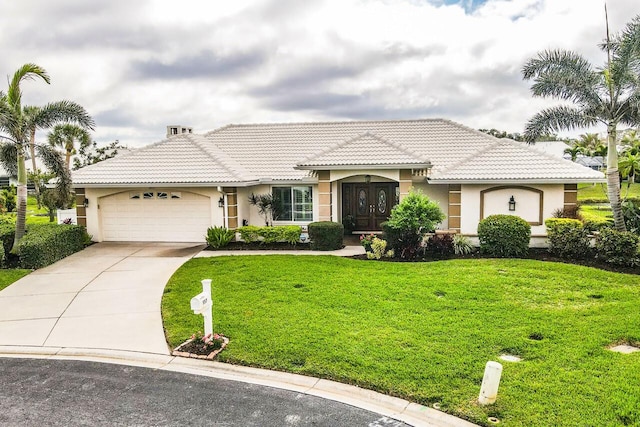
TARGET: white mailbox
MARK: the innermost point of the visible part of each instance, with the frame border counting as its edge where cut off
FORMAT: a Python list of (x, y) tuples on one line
[(199, 303)]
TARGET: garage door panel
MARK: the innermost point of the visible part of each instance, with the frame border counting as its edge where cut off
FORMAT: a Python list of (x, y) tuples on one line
[(183, 219)]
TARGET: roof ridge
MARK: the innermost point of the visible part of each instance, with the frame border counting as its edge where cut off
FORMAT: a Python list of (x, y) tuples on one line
[(328, 122), (222, 158), (472, 155)]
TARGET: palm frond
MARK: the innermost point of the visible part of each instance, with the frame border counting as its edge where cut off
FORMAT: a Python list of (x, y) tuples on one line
[(9, 158), (555, 119), (64, 111), (53, 160), (629, 110), (26, 72)]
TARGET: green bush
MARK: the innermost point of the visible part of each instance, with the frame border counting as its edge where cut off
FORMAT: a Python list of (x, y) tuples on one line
[(267, 234), (631, 212), (219, 237), (326, 235), (45, 244), (379, 249), (504, 236), (597, 224), (410, 220), (7, 234), (440, 244), (462, 245), (618, 247), (568, 238)]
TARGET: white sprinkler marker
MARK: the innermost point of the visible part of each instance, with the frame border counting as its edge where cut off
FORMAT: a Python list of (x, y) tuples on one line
[(490, 383)]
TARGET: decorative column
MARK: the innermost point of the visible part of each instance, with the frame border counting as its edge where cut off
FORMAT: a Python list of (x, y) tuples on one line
[(232, 206), (324, 196), (405, 182), (454, 209), (570, 196), (80, 209)]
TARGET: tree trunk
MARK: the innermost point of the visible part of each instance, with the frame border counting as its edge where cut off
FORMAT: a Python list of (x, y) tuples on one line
[(67, 159), (32, 149), (613, 179), (22, 199)]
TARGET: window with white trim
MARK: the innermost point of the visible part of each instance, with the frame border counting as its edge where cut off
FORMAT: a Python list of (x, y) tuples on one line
[(293, 204)]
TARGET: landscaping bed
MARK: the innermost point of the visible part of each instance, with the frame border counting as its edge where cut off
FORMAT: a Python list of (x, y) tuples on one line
[(423, 331), (254, 246)]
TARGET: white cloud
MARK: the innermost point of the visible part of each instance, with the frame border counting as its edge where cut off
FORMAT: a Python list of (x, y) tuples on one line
[(138, 66)]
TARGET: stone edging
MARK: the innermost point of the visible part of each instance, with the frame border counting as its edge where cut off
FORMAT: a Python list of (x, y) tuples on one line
[(210, 356)]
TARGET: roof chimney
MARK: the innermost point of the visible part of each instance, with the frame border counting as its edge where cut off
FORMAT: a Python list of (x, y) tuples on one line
[(173, 130)]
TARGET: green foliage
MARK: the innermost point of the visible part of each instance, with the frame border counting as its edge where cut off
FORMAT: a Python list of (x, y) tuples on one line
[(631, 212), (279, 233), (410, 220), (379, 249), (267, 206), (219, 237), (440, 244), (45, 244), (326, 235), (594, 224), (618, 247), (568, 238), (89, 154), (8, 198), (504, 236), (462, 245), (7, 234), (349, 223)]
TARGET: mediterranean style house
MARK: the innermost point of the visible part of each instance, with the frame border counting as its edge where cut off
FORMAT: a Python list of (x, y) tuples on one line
[(175, 189)]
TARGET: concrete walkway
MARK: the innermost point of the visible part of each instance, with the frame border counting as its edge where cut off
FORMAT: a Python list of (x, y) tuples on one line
[(103, 304)]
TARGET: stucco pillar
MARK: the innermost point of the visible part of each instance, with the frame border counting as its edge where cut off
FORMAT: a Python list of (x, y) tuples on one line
[(570, 196), (81, 211), (324, 196), (232, 206), (455, 207), (404, 182)]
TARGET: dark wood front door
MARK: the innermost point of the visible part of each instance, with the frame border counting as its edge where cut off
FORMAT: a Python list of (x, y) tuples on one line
[(370, 204)]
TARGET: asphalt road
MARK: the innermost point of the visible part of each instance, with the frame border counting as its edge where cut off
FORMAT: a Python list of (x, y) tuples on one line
[(71, 393)]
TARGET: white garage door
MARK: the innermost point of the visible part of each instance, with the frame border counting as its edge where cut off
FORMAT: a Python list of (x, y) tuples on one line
[(155, 216)]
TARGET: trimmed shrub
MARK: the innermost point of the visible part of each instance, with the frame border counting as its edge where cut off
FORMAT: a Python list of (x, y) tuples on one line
[(219, 237), (7, 234), (440, 244), (568, 238), (593, 225), (631, 212), (617, 247), (410, 220), (504, 236), (326, 235), (278, 233), (45, 244), (462, 245), (379, 249)]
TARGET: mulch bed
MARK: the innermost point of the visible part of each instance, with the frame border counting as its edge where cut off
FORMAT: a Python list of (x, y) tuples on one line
[(280, 246), (194, 348), (539, 254)]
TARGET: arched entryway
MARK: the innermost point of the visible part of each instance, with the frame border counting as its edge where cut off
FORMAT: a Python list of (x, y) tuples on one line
[(369, 203)]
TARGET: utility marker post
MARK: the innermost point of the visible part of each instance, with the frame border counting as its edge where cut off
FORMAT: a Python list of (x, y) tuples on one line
[(490, 383), (202, 304)]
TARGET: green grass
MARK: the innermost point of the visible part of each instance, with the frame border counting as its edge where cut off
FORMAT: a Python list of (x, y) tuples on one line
[(598, 192), (593, 212), (9, 276), (424, 331)]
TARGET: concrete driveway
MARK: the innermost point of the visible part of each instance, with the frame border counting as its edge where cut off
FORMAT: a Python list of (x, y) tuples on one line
[(105, 297)]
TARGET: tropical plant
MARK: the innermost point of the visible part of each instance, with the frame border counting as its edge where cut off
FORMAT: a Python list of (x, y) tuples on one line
[(16, 128), (379, 250), (266, 204), (629, 166), (462, 245), (630, 141), (66, 136), (610, 95), (573, 151), (90, 154), (219, 237)]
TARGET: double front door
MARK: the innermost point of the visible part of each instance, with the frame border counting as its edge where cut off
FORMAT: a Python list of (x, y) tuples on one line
[(369, 204)]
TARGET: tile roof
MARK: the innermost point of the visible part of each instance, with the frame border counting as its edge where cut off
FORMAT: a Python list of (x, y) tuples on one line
[(364, 150), (244, 154), (506, 160)]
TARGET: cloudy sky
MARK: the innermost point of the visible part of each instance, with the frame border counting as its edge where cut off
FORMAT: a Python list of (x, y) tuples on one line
[(140, 65)]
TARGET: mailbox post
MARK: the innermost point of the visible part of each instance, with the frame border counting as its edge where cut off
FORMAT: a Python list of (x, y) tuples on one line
[(202, 304)]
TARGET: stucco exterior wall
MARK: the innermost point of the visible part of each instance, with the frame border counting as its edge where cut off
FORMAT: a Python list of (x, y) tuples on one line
[(94, 196), (528, 204), (439, 194)]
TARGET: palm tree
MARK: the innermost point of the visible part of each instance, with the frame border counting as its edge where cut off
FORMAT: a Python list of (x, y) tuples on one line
[(65, 136), (573, 151), (610, 96), (17, 124), (631, 141), (589, 142), (629, 165)]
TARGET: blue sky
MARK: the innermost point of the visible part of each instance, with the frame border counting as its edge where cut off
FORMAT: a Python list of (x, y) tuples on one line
[(139, 66)]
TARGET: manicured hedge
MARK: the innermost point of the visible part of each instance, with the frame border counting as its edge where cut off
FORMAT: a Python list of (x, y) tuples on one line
[(326, 235), (504, 236), (616, 247), (45, 244), (7, 234), (568, 238), (270, 234)]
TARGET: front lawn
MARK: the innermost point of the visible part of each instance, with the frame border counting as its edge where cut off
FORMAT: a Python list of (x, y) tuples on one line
[(424, 331), (598, 192), (9, 276)]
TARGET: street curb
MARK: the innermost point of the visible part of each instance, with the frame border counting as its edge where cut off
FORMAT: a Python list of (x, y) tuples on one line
[(388, 406)]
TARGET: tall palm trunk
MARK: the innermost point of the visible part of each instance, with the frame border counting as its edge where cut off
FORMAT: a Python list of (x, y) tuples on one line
[(22, 199), (32, 150), (67, 159), (613, 180)]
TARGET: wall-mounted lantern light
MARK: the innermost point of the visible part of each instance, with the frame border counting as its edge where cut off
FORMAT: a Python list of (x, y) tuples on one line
[(367, 179), (512, 204), (221, 202), (86, 202)]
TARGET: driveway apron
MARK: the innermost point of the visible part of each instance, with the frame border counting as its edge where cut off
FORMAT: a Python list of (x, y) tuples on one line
[(105, 297)]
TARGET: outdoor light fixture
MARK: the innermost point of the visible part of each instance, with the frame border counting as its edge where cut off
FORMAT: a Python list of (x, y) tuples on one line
[(367, 178), (86, 202), (512, 204), (221, 202)]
